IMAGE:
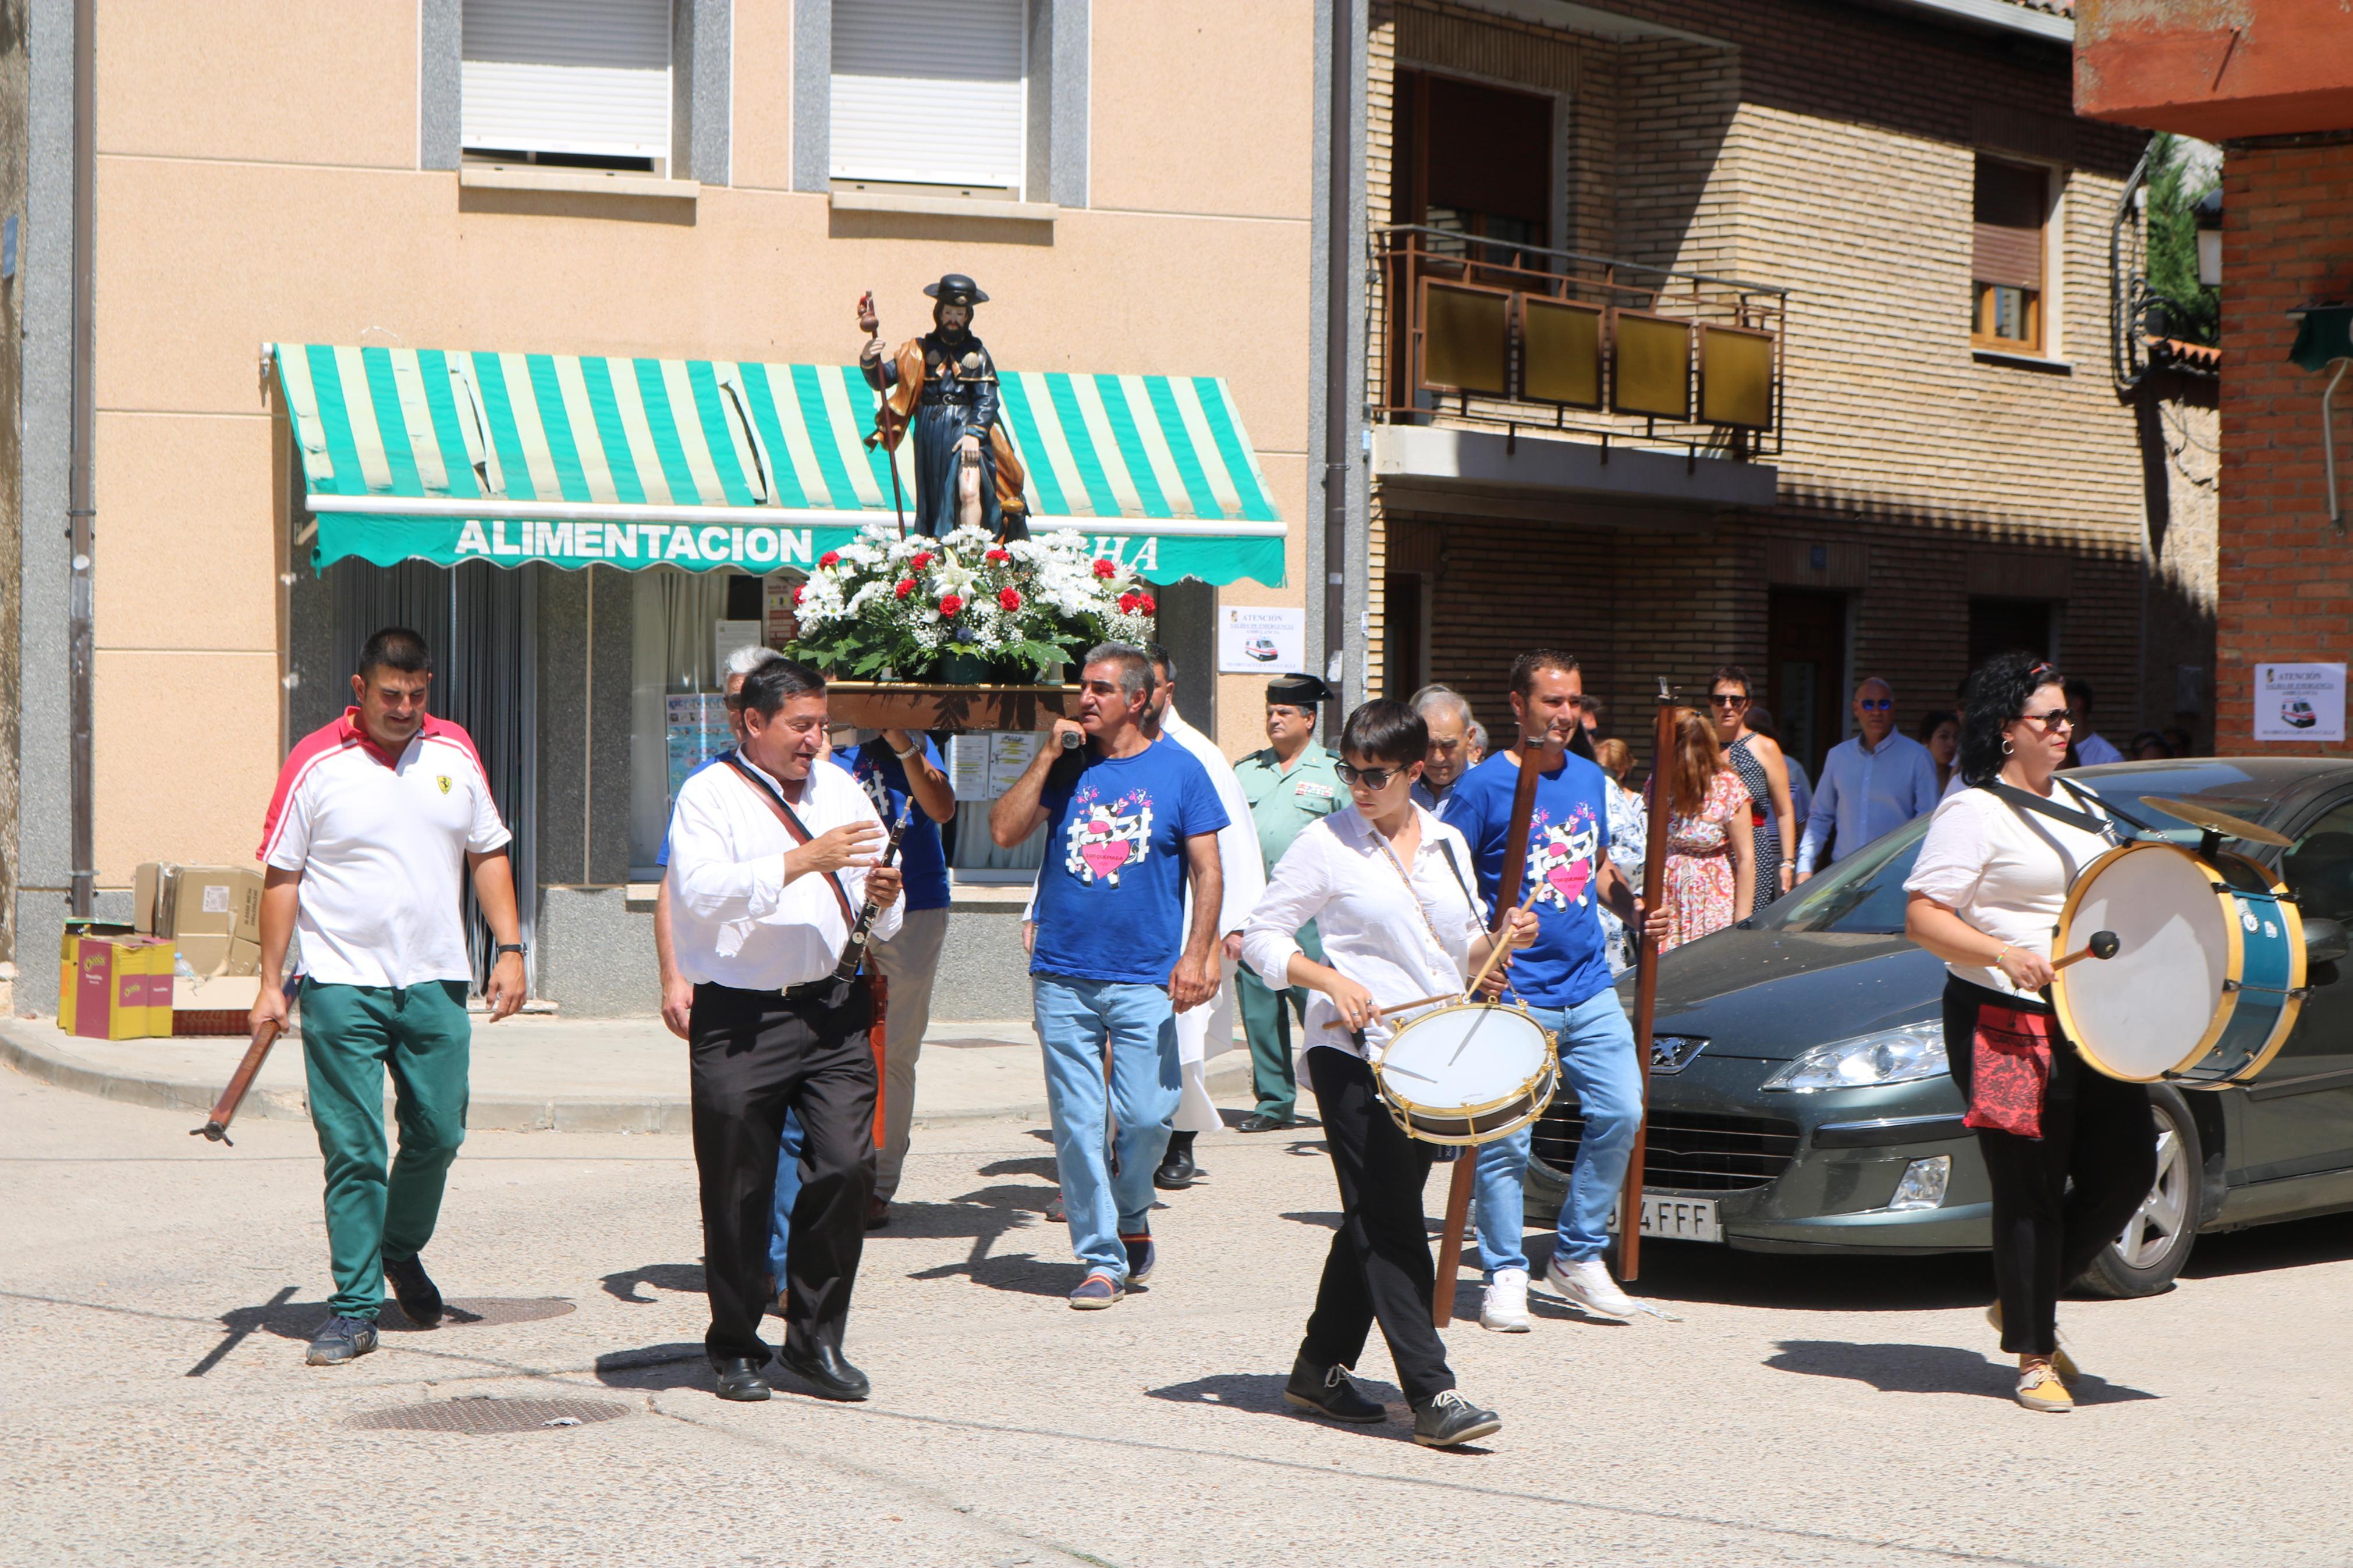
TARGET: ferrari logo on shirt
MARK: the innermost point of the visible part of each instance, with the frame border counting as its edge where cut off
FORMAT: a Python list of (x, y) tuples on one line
[(443, 780)]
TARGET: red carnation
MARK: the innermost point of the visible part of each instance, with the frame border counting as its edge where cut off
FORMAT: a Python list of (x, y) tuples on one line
[(1127, 602), (1104, 568), (830, 558), (923, 558), (906, 586), (1009, 599), (798, 594), (1000, 555), (1150, 605), (950, 605)]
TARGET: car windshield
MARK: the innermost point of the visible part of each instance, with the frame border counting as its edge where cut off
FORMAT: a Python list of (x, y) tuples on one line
[(1863, 894)]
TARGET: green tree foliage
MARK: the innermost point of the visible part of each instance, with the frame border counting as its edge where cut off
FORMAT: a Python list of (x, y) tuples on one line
[(2194, 312)]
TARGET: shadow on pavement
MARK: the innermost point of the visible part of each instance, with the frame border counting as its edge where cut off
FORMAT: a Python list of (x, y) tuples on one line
[(685, 1277), (1701, 1271), (1327, 1219), (2297, 1244), (1927, 1369), (1261, 1393), (680, 1364), (1043, 1169), (1021, 1272), (289, 1320)]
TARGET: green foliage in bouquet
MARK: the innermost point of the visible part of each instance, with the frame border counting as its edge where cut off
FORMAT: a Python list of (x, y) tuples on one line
[(913, 608)]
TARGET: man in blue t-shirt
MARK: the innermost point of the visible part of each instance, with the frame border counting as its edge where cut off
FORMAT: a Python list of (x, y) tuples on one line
[(1129, 819), (1564, 980), (893, 769)]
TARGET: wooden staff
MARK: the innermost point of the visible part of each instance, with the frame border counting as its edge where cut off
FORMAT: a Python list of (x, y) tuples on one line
[(1646, 984), (216, 1126), (1466, 1161)]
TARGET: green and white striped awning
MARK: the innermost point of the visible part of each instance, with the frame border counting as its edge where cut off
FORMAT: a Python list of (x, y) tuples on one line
[(423, 454)]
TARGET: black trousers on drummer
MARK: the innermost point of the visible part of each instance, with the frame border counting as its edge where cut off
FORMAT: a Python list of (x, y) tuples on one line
[(754, 1055), (2097, 1134), (1379, 1268)]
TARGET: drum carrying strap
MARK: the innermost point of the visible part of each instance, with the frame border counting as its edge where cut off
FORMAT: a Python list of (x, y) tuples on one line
[(2083, 821), (1395, 865)]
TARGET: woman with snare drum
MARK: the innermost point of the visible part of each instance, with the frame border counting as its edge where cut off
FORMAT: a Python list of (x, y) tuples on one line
[(1985, 894), (1388, 886)]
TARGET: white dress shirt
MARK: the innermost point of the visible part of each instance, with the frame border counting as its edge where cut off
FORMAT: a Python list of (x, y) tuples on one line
[(1238, 853), (733, 919), (1867, 793), (1375, 931)]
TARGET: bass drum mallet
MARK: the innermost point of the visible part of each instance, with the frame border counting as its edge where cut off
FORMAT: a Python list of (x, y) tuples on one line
[(2102, 945)]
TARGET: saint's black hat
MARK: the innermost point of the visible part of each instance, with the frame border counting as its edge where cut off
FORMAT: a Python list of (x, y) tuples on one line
[(1300, 690), (956, 288)]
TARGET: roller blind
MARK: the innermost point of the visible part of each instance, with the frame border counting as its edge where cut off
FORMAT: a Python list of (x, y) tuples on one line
[(930, 92), (583, 77), (2012, 200)]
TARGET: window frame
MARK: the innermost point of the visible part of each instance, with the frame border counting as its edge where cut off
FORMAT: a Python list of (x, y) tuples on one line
[(2038, 306)]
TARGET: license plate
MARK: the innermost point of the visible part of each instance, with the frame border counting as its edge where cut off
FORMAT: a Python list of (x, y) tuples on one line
[(1677, 1219)]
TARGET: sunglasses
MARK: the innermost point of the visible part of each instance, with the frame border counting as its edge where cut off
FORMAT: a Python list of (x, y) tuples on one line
[(1727, 700), (2058, 719), (1369, 778), (1874, 704)]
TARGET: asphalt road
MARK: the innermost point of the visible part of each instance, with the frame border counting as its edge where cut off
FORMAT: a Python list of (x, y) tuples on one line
[(155, 1295)]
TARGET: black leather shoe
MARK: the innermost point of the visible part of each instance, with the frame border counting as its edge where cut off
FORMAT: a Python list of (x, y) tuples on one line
[(878, 1213), (419, 1298), (1258, 1122), (825, 1369), (1176, 1170), (739, 1379), (340, 1339), (1330, 1391), (1448, 1420)]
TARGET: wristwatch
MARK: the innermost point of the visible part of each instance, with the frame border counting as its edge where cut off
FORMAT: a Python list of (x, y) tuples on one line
[(910, 751), (507, 947)]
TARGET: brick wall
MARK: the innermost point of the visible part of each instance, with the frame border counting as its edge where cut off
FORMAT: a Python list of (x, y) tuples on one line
[(2286, 576)]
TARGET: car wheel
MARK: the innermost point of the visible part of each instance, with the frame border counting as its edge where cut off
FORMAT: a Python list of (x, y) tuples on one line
[(2157, 1242)]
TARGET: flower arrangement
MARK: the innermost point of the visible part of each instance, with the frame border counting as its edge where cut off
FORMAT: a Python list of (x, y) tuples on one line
[(965, 607)]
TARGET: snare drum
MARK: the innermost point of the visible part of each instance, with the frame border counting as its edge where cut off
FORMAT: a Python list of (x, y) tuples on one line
[(1468, 1073), (2209, 971)]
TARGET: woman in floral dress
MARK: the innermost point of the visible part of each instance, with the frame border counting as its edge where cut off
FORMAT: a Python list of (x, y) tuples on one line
[(1711, 868)]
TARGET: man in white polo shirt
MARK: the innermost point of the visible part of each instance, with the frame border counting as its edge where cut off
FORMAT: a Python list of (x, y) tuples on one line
[(373, 817)]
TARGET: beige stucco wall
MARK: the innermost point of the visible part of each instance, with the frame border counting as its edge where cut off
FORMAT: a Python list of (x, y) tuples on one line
[(257, 183)]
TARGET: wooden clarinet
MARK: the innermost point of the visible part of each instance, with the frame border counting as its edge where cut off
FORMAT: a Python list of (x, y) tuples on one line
[(854, 953)]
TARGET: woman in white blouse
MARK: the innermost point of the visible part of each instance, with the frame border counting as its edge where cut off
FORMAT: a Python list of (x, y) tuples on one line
[(1985, 894), (1389, 889)]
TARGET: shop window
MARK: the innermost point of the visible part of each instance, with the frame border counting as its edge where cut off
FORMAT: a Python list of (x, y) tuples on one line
[(904, 70), (582, 83), (686, 624), (2008, 257), (1473, 161)]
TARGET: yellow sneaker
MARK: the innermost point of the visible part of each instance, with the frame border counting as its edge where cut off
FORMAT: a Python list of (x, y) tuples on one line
[(2039, 1388), (2060, 1361)]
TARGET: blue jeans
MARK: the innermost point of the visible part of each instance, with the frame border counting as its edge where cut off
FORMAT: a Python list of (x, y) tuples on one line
[(1074, 1018), (789, 1188), (1597, 1059)]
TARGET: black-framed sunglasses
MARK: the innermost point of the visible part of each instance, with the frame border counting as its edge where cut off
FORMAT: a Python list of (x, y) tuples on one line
[(1370, 778), (1728, 700), (2058, 719)]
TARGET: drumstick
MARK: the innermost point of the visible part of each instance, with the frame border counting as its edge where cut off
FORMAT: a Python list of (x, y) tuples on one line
[(2104, 945), (1500, 947)]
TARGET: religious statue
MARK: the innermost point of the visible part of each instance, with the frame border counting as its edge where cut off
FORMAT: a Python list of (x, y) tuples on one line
[(944, 385)]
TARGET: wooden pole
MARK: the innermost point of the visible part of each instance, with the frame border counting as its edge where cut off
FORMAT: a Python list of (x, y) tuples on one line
[(216, 1126), (1646, 984), (1466, 1161)]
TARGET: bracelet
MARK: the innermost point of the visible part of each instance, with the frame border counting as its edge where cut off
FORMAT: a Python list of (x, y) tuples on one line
[(1999, 956)]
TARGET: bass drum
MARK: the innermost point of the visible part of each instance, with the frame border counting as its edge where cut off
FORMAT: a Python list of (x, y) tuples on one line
[(1469, 1073), (2208, 977)]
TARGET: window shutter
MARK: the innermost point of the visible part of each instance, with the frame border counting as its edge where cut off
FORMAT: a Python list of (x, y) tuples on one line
[(2012, 200), (929, 92), (583, 77)]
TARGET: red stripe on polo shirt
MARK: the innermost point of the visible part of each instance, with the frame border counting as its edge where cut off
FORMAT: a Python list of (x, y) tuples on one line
[(335, 736)]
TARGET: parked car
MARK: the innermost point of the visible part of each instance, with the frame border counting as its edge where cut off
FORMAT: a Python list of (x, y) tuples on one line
[(1799, 1101)]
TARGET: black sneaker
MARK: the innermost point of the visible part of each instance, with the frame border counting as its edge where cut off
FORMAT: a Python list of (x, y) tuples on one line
[(1176, 1170), (419, 1298), (1448, 1420), (1330, 1391), (340, 1339)]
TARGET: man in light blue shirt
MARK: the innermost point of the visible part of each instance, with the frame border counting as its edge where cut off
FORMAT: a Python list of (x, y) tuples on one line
[(1872, 784)]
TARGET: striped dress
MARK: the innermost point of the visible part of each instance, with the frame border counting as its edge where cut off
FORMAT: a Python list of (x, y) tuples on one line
[(1768, 830)]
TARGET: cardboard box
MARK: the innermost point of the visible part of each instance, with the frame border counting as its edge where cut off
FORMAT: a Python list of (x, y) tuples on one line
[(202, 957), (212, 900), (115, 987)]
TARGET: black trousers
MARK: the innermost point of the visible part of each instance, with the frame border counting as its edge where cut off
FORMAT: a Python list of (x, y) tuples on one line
[(2097, 1133), (1379, 1265), (754, 1056)]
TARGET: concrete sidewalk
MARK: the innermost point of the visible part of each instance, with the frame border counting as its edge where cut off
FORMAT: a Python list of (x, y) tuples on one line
[(544, 1073)]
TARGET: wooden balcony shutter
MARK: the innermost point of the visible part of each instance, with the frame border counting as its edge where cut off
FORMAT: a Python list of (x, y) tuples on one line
[(2010, 204)]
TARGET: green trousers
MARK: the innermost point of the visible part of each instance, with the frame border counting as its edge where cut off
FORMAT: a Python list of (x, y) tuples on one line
[(351, 1034), (1266, 1022)]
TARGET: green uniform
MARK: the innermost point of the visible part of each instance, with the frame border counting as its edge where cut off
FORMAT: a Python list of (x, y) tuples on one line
[(1283, 803), (351, 1035)]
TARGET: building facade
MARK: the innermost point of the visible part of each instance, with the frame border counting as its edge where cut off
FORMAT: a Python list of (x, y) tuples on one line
[(301, 235)]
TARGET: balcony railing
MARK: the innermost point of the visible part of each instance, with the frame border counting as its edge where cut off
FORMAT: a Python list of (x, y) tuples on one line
[(1488, 332)]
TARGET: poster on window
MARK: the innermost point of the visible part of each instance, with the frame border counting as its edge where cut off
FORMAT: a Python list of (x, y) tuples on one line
[(695, 728), (2300, 702), (1253, 638)]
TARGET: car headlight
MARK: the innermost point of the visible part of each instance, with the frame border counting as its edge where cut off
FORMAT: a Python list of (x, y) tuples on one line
[(1890, 1056)]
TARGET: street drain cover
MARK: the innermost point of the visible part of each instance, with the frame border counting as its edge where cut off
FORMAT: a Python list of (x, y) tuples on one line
[(487, 1412)]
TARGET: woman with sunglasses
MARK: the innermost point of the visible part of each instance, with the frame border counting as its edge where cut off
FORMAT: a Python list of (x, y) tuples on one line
[(2070, 1152), (1388, 886), (1755, 756)]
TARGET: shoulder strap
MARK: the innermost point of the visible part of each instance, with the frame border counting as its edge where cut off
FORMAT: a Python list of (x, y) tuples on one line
[(2018, 799), (1446, 847), (793, 825)]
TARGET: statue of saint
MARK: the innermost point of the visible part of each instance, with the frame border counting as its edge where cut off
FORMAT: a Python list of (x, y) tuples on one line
[(944, 386)]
